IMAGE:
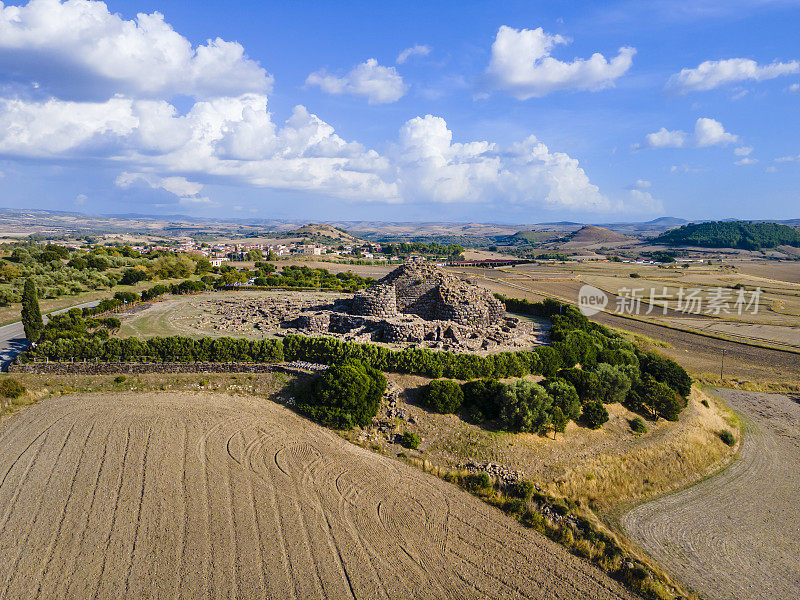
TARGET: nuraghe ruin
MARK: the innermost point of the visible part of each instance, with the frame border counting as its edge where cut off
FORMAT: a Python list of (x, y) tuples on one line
[(423, 305)]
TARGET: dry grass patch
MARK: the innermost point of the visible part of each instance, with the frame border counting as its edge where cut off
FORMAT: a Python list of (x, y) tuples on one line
[(670, 457)]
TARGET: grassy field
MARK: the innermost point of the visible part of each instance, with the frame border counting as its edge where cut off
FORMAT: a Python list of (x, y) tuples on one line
[(11, 313)]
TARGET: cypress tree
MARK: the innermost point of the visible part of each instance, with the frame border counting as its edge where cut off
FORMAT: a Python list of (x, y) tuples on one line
[(31, 315)]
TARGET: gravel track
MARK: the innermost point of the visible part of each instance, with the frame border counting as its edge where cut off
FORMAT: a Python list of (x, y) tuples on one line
[(197, 495), (736, 535)]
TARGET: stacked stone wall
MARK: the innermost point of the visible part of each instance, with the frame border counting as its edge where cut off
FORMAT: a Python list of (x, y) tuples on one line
[(379, 300), (104, 368)]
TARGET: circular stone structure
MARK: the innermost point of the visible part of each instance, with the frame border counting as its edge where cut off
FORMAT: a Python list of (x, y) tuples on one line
[(431, 294)]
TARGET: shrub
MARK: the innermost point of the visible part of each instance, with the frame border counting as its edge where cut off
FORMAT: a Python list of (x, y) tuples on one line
[(521, 489), (727, 437), (11, 388), (409, 439), (594, 414), (443, 396), (482, 399), (526, 406), (129, 297), (345, 395), (638, 425), (476, 482), (704, 402), (120, 379)]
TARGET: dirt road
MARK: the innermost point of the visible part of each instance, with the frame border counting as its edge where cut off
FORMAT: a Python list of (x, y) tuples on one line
[(197, 495), (736, 535)]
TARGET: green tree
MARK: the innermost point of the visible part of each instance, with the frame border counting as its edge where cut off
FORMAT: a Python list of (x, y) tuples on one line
[(594, 414), (560, 421), (31, 315), (443, 396), (345, 395), (202, 266), (613, 383), (526, 406), (565, 397)]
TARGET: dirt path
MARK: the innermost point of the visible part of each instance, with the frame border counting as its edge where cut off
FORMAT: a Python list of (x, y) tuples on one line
[(190, 495), (736, 535)]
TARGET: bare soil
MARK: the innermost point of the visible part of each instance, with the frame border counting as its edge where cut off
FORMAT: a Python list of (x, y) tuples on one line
[(189, 495), (735, 535)]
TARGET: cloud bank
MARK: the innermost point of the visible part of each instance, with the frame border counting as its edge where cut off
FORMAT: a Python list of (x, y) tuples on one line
[(91, 86)]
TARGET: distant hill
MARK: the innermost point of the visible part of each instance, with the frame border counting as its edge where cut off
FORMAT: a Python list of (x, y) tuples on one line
[(324, 232), (744, 235), (591, 234)]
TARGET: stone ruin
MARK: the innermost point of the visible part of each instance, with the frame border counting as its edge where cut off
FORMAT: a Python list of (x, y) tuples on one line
[(431, 294), (423, 305)]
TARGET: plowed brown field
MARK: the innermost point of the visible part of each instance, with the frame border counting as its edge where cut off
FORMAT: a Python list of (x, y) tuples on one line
[(199, 495), (735, 535)]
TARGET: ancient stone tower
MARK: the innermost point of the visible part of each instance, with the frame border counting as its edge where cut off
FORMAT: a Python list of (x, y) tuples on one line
[(430, 293)]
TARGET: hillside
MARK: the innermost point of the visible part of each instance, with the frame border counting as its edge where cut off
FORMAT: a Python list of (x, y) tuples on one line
[(532, 237), (744, 235)]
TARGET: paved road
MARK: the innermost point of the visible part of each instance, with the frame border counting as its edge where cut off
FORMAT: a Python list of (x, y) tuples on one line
[(736, 536), (12, 337)]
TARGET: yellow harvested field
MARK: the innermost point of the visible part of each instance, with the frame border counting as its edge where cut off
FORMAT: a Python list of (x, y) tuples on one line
[(192, 494)]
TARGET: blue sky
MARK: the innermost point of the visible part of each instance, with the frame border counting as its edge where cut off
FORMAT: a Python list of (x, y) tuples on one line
[(513, 112)]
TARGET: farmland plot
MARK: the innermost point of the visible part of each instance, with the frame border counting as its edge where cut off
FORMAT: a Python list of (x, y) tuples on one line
[(200, 495)]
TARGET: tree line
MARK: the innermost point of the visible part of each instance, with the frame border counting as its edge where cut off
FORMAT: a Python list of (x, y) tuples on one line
[(745, 235)]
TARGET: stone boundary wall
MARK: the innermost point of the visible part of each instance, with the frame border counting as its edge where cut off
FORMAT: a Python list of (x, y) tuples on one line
[(103, 368)]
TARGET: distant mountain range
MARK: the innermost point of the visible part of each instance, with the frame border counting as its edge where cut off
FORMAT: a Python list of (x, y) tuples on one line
[(18, 221)]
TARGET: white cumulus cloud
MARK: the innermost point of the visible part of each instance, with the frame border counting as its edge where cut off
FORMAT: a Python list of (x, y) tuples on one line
[(715, 73), (707, 132), (522, 66), (418, 50), (379, 84), (430, 166), (80, 50), (664, 138)]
